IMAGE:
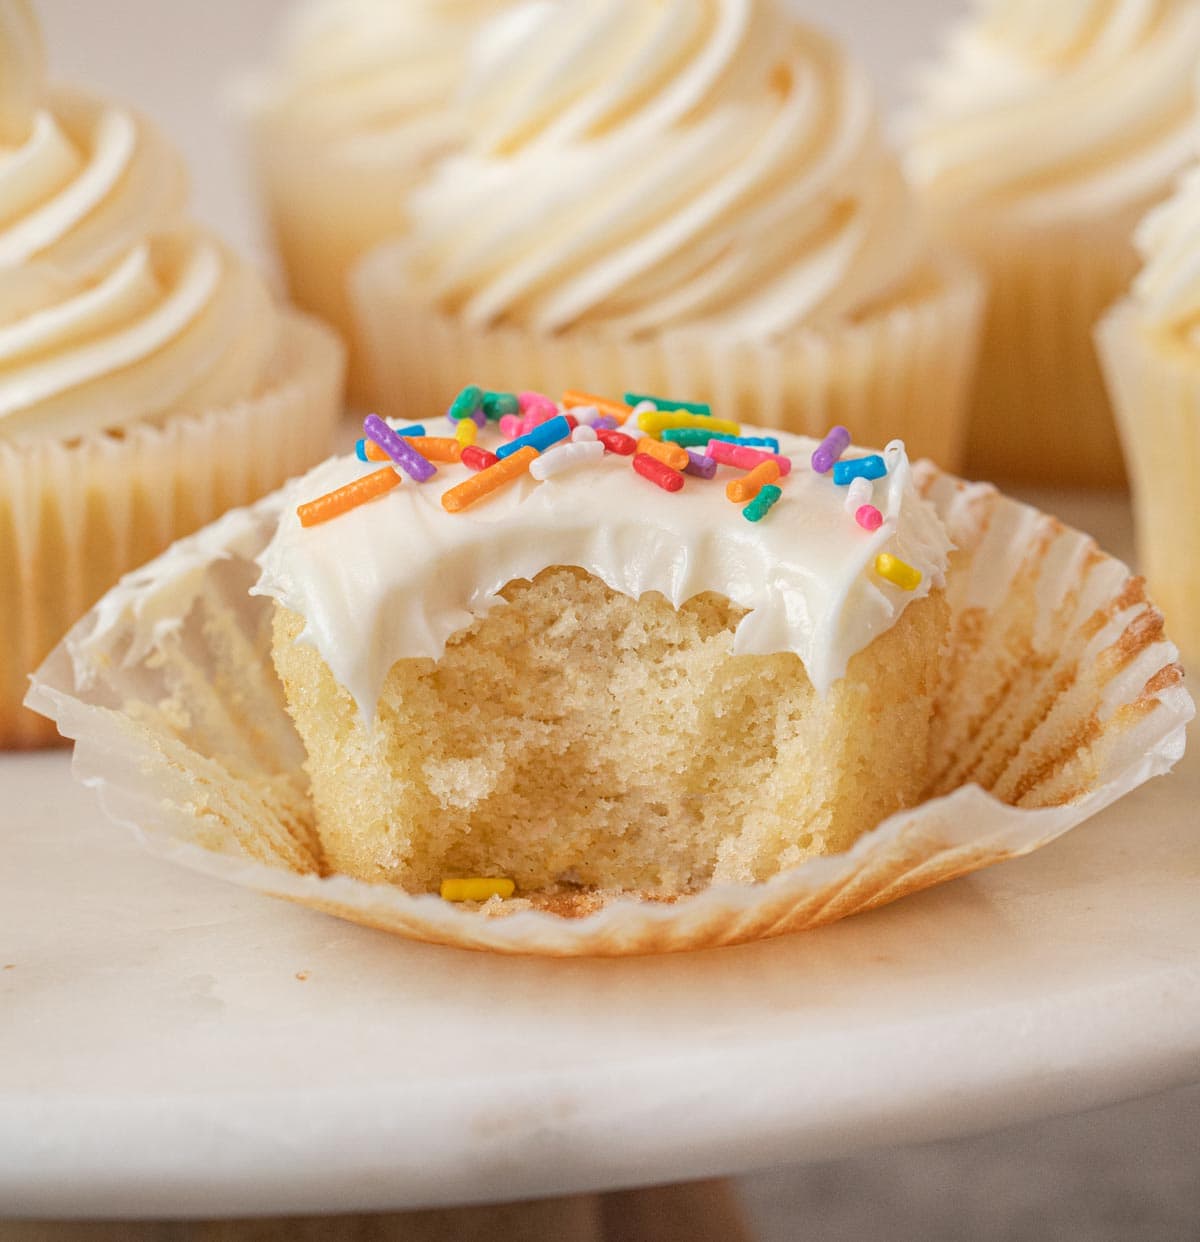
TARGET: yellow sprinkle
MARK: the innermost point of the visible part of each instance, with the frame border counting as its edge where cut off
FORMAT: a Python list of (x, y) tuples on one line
[(657, 421), (476, 889), (466, 432), (895, 570)]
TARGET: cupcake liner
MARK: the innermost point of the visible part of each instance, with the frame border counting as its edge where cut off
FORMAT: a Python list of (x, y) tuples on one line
[(903, 371), (1039, 412), (1154, 381), (75, 516), (1061, 694)]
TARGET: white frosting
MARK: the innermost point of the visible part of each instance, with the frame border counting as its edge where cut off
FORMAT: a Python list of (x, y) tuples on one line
[(1053, 110), (1167, 289), (398, 576), (113, 309), (649, 164), (374, 78)]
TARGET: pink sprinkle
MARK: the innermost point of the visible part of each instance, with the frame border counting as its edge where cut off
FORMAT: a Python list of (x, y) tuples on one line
[(526, 400), (868, 517), (744, 457), (538, 414), (511, 425)]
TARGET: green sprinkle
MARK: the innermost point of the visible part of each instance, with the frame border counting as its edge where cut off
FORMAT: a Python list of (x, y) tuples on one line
[(760, 506), (664, 403), (688, 437), (497, 404), (466, 403)]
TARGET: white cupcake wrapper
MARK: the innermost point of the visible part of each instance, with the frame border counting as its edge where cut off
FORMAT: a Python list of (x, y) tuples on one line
[(75, 516), (1061, 694), (903, 371), (1154, 382)]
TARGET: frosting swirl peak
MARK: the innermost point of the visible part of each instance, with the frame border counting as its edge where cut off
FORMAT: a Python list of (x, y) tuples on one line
[(660, 162), (113, 307), (1058, 109)]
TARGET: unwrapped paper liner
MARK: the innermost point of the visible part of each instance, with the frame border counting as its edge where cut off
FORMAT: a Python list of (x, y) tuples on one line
[(904, 369), (1060, 695)]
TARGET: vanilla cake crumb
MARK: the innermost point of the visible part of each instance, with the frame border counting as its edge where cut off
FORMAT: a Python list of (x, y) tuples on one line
[(577, 735)]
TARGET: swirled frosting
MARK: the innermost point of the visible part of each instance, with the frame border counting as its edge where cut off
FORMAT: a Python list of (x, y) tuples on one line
[(375, 77), (397, 577), (649, 163), (113, 309), (1055, 110), (1167, 289)]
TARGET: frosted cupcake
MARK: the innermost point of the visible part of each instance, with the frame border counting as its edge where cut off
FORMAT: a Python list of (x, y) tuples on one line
[(343, 125), (681, 197), (1150, 347), (1038, 143), (147, 380)]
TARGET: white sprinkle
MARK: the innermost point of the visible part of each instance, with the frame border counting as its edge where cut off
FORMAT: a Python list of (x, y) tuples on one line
[(582, 434), (642, 407), (565, 457), (859, 493), (585, 414)]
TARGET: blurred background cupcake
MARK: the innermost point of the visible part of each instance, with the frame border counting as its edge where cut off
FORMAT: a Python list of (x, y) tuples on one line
[(354, 109), (1038, 142), (1150, 347), (681, 197), (148, 382)]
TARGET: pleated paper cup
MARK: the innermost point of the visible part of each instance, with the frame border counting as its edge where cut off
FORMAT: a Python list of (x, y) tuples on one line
[(904, 370), (1060, 695), (76, 515), (1154, 381), (1039, 412)]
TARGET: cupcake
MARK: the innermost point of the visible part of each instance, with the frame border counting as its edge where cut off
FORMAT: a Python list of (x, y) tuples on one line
[(606, 674), (147, 379), (559, 696), (1037, 144), (1149, 345), (344, 124), (680, 197)]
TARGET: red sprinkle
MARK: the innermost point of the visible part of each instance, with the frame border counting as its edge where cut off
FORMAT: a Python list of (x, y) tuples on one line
[(657, 472), (616, 441), (478, 458), (744, 457), (868, 517)]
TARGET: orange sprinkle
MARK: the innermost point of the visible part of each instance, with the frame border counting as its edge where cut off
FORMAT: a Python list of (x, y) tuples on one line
[(436, 448), (606, 405), (673, 455), (343, 499), (432, 448), (487, 481), (749, 485)]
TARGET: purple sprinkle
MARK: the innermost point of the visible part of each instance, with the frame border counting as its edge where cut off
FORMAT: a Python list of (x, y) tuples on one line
[(605, 422), (700, 465), (830, 449), (418, 468), (479, 418)]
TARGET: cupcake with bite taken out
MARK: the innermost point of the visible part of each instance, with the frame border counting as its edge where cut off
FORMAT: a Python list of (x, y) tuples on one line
[(148, 381), (674, 196)]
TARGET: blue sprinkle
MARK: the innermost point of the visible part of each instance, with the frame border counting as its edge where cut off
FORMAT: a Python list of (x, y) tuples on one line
[(859, 468), (541, 437)]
